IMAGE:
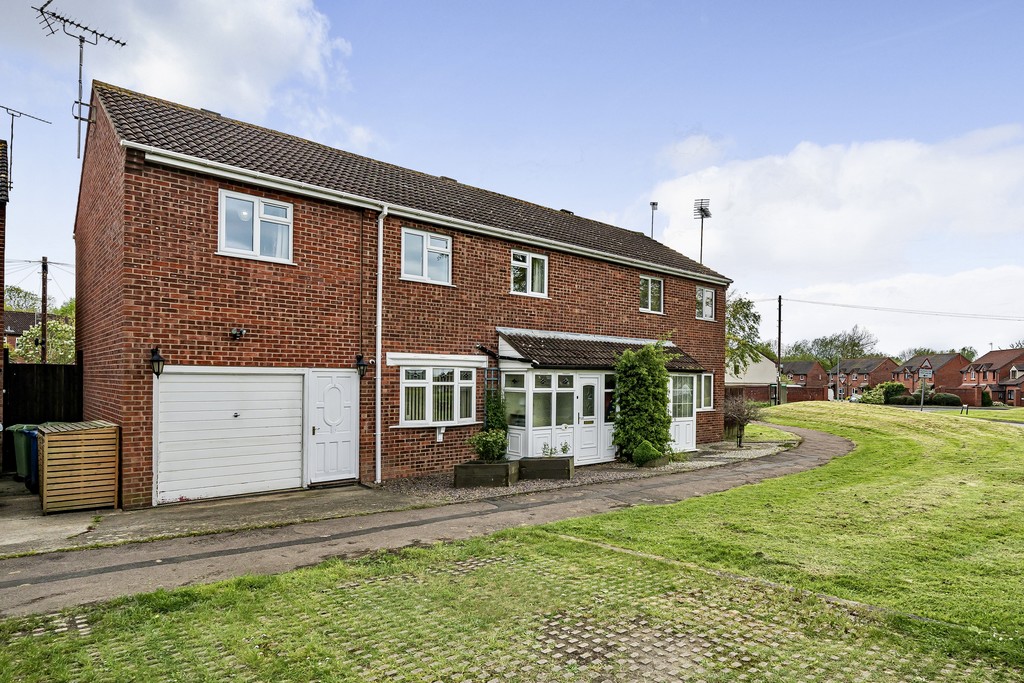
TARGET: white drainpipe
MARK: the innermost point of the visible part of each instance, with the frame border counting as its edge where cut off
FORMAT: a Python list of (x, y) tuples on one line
[(377, 355)]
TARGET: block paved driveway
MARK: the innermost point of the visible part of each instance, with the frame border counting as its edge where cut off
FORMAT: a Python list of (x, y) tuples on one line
[(53, 581)]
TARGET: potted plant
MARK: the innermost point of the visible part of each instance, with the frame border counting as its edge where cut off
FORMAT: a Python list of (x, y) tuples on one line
[(491, 468), (550, 465)]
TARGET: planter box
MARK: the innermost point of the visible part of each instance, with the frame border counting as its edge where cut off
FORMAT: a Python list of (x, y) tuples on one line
[(561, 467), (477, 473)]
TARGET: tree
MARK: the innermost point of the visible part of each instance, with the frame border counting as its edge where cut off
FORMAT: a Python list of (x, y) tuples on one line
[(60, 343), (641, 399), (1019, 344), (969, 352), (742, 327), (18, 299), (907, 354), (66, 310), (828, 350)]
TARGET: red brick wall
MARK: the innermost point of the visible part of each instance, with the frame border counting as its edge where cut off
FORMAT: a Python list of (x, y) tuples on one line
[(796, 394), (970, 396), (170, 289)]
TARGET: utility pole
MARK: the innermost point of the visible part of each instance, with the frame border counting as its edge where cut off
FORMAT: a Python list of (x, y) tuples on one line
[(42, 344), (778, 359)]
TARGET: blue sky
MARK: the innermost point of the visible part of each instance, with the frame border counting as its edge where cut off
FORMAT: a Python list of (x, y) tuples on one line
[(866, 154)]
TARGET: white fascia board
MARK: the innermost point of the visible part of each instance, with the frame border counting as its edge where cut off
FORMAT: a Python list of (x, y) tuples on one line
[(459, 361), (229, 370), (198, 165)]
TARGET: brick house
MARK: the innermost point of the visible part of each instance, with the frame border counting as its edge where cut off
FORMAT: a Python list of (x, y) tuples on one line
[(758, 382), (804, 373), (999, 372), (946, 372), (266, 269), (856, 375)]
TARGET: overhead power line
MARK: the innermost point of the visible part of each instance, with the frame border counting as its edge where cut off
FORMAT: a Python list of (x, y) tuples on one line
[(913, 311)]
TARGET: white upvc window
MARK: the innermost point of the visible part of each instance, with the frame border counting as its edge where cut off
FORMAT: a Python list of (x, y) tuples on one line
[(253, 227), (437, 396), (651, 294), (706, 392), (426, 257), (529, 273), (705, 303), (681, 396)]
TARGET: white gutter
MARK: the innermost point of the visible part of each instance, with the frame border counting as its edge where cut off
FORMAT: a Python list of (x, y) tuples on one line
[(196, 164), (379, 343)]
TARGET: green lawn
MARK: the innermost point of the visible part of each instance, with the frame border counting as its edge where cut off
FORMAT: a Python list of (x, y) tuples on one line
[(923, 519), (763, 433), (1009, 415)]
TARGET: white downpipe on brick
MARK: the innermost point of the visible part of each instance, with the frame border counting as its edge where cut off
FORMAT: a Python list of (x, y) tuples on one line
[(378, 364)]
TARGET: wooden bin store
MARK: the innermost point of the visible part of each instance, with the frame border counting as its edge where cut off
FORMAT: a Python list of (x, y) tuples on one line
[(78, 465)]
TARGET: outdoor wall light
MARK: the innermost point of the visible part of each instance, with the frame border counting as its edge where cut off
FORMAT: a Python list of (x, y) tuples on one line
[(238, 332), (156, 361), (362, 364)]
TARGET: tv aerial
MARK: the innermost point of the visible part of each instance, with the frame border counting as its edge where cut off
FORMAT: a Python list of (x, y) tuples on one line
[(15, 114), (51, 22)]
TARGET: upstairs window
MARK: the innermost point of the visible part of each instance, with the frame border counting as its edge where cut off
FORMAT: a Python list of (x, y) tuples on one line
[(651, 289), (426, 257), (252, 227), (705, 303), (529, 274)]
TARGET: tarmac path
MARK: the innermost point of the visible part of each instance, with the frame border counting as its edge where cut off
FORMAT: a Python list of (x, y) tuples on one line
[(49, 582)]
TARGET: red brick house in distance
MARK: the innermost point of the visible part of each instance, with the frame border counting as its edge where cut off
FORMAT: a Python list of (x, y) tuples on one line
[(999, 372), (265, 268), (856, 375), (946, 369)]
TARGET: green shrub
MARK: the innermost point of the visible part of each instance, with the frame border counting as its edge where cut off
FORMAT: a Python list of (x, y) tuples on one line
[(874, 396), (905, 400), (986, 399), (491, 445), (738, 413), (646, 452), (891, 390), (494, 410), (945, 400), (641, 398)]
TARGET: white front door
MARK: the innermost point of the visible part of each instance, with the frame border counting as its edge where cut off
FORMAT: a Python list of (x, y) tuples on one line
[(588, 431), (334, 425), (683, 427)]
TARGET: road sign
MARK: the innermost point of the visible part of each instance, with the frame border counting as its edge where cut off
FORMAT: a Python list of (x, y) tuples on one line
[(927, 364), (924, 373)]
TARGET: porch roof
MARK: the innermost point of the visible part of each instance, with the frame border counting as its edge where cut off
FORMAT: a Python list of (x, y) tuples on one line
[(547, 349)]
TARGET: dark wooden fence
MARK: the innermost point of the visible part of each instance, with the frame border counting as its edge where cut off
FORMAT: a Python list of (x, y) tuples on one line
[(34, 394)]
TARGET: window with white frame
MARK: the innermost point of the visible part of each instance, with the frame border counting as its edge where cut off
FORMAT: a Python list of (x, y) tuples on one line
[(705, 303), (426, 257), (529, 273), (553, 400), (515, 398), (438, 396), (253, 227), (651, 294), (706, 392), (681, 396)]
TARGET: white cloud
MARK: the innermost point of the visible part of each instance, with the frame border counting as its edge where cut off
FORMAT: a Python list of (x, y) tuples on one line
[(894, 223), (694, 153)]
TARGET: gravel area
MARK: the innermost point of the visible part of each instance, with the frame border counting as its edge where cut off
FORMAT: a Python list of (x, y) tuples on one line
[(439, 488)]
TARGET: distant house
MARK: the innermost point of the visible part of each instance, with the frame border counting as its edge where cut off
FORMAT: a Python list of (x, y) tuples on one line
[(946, 368), (852, 376), (17, 323), (999, 372), (759, 382), (804, 373)]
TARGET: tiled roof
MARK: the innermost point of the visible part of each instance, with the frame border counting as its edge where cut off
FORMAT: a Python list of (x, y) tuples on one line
[(996, 359), (849, 366), (797, 367), (143, 120), (937, 360), (3, 171), (17, 322), (584, 351)]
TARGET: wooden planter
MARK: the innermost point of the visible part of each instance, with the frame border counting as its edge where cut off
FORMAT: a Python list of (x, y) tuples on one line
[(78, 465), (560, 467), (479, 473)]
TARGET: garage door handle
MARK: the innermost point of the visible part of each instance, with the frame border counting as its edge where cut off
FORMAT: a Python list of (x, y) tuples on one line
[(236, 415)]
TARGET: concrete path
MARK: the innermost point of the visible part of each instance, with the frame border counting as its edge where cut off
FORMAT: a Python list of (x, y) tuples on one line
[(53, 581)]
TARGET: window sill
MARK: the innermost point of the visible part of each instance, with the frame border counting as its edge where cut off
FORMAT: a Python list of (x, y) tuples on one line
[(253, 257), (435, 425), (644, 310), (530, 295), (710, 320), (425, 281)]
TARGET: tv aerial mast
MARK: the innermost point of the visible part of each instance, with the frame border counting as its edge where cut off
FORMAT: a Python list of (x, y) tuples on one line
[(15, 114), (51, 22)]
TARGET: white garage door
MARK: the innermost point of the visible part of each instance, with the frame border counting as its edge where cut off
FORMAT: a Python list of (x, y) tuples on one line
[(226, 434)]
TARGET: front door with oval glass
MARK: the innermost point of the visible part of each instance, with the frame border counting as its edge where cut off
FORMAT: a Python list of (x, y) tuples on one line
[(333, 426)]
